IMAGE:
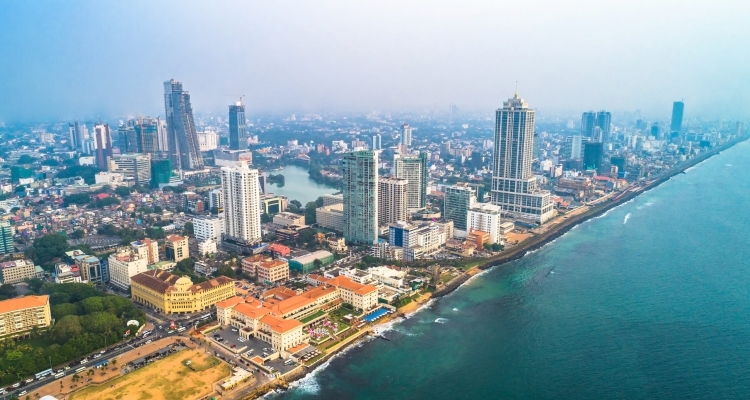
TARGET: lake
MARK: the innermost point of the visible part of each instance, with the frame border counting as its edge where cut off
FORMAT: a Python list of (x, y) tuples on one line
[(298, 185)]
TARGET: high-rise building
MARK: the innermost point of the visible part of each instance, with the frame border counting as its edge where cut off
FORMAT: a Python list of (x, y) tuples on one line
[(573, 147), (457, 201), (392, 204), (591, 120), (216, 199), (75, 136), (103, 143), (206, 228), (593, 154), (136, 166), (128, 140), (242, 208), (486, 217), (161, 172), (237, 128), (677, 110), (176, 248), (146, 136), (181, 134), (406, 134), (360, 187), (414, 170), (377, 142), (6, 238), (655, 130), (514, 186)]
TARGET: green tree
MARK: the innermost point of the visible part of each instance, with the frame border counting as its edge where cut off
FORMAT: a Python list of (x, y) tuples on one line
[(78, 234), (47, 248), (78, 198), (64, 309), (310, 216), (317, 263), (50, 162), (8, 291), (189, 228), (159, 210), (122, 191), (92, 305), (35, 284), (296, 203), (67, 327), (26, 159), (86, 172), (265, 218)]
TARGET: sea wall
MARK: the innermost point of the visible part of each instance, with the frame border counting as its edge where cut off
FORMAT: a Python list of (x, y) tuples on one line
[(538, 241)]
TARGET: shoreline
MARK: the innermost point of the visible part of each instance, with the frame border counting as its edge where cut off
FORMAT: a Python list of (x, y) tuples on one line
[(529, 245), (539, 241)]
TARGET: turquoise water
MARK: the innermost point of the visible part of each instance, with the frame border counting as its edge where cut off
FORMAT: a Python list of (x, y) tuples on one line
[(650, 301), (298, 185)]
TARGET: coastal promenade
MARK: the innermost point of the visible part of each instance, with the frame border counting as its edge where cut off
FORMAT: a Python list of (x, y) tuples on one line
[(562, 224)]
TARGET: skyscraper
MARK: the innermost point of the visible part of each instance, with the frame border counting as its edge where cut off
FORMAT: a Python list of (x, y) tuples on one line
[(514, 186), (588, 122), (103, 143), (677, 109), (75, 136), (6, 238), (414, 170), (593, 154), (237, 128), (181, 134), (360, 187), (604, 122), (377, 143), (392, 200), (457, 201), (406, 134), (161, 172), (136, 166), (241, 202)]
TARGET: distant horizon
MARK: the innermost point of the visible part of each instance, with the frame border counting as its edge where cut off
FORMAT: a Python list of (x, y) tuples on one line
[(88, 58)]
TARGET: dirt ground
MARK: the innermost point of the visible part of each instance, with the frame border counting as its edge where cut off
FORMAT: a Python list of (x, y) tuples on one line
[(167, 379), (516, 238)]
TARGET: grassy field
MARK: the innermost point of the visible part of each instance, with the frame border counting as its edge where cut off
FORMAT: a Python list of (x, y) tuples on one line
[(167, 379)]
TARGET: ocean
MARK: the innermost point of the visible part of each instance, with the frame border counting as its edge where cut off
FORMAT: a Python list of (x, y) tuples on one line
[(649, 301)]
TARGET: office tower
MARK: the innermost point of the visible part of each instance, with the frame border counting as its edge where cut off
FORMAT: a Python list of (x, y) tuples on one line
[(161, 172), (655, 130), (134, 166), (208, 140), (377, 142), (588, 122), (128, 140), (406, 134), (677, 110), (414, 170), (103, 143), (146, 136), (618, 162), (456, 203), (360, 187), (240, 187), (392, 194), (573, 147), (593, 154), (477, 161), (604, 122), (513, 183), (237, 128), (182, 137), (74, 136), (6, 238), (262, 183)]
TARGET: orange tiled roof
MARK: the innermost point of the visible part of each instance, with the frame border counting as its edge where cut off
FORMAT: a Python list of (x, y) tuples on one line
[(230, 302), (21, 303), (280, 325), (346, 283), (291, 304), (253, 312)]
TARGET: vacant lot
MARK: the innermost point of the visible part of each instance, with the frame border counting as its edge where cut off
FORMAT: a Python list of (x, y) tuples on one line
[(167, 379)]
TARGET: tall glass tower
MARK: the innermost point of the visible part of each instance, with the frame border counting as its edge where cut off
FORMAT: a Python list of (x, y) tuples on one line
[(181, 134), (237, 129), (413, 169), (514, 186), (677, 109), (360, 187)]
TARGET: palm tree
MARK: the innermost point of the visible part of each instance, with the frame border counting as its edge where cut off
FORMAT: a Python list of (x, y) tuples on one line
[(76, 377)]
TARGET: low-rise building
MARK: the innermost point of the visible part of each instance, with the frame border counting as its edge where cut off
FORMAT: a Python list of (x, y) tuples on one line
[(173, 294), (146, 249), (486, 217), (65, 273), (330, 217), (363, 297), (90, 268), (207, 247), (305, 264), (22, 314), (208, 228), (16, 271), (337, 244), (272, 271), (177, 248), (287, 219), (391, 276), (124, 264)]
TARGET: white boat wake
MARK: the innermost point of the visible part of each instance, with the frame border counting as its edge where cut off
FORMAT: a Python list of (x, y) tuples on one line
[(627, 217)]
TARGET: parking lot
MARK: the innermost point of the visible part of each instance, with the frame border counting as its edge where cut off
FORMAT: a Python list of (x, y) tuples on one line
[(253, 346)]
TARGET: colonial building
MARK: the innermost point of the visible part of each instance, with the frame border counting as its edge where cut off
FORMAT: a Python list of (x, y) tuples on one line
[(173, 294)]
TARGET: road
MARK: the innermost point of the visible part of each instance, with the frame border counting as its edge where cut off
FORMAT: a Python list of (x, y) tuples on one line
[(109, 353)]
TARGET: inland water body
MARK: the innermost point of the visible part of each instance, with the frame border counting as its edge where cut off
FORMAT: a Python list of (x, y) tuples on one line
[(649, 301), (298, 185)]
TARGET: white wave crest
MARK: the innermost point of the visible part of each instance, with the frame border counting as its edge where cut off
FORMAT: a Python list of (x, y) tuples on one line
[(441, 320), (627, 217)]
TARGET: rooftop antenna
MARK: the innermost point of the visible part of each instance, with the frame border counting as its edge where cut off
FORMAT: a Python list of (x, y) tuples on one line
[(515, 96)]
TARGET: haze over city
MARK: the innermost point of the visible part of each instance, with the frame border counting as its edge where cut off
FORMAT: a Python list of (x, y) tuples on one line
[(89, 58)]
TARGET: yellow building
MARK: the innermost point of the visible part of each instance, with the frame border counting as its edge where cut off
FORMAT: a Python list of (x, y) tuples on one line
[(174, 294), (22, 314)]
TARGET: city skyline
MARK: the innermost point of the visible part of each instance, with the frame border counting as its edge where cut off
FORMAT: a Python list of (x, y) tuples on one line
[(346, 53)]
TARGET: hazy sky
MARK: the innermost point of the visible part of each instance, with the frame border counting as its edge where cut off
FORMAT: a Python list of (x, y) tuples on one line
[(78, 59)]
